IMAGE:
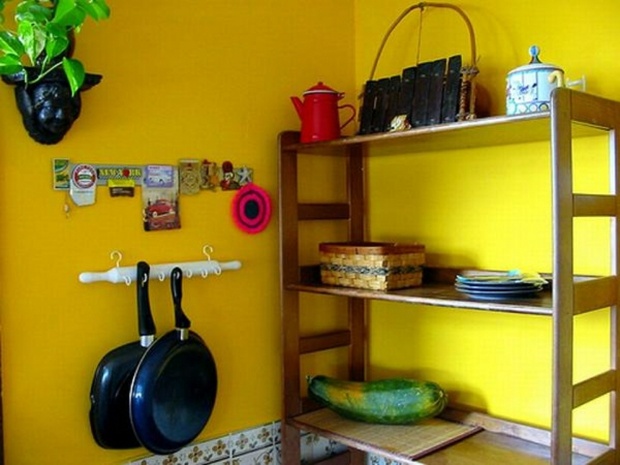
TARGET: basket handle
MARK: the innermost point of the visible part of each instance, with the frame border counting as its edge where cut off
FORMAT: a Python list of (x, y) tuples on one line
[(421, 6)]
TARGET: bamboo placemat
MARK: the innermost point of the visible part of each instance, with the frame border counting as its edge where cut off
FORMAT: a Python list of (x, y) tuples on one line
[(399, 442)]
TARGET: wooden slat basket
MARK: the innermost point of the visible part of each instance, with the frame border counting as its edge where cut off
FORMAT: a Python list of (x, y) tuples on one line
[(372, 265)]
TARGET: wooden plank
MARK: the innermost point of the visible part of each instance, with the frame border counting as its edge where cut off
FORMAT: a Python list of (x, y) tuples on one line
[(593, 388), (563, 305), (325, 341), (357, 233), (440, 295), (481, 132), (594, 205), (609, 457), (591, 109), (289, 303), (404, 443), (350, 457), (595, 294), (491, 448), (323, 211), (581, 447)]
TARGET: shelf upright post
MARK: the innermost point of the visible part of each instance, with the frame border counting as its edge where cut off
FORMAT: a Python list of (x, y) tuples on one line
[(289, 266), (561, 171), (357, 233), (570, 298)]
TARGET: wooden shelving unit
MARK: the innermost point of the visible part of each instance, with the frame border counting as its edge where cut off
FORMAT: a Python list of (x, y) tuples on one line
[(459, 437)]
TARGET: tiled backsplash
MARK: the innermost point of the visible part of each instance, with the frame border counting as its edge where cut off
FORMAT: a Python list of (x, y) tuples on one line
[(255, 446)]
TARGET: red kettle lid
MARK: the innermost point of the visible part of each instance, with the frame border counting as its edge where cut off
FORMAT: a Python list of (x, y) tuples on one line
[(320, 88)]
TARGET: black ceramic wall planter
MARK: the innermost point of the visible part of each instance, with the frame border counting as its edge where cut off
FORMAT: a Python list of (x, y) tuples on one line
[(47, 107)]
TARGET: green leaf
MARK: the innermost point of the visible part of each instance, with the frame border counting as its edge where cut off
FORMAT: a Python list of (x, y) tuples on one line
[(10, 64), (10, 44), (103, 9), (96, 9), (33, 12), (68, 14), (75, 73), (55, 46), (29, 38)]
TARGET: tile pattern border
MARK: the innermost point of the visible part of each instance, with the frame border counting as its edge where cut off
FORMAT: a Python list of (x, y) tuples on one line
[(259, 445)]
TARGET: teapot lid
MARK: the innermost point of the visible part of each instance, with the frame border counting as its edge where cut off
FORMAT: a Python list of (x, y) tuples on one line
[(320, 88), (535, 64)]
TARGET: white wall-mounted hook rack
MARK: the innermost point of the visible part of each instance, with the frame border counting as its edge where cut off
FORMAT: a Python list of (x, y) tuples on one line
[(127, 274)]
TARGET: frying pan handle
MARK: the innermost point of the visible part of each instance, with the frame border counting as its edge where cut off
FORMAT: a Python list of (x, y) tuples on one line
[(176, 285), (146, 325)]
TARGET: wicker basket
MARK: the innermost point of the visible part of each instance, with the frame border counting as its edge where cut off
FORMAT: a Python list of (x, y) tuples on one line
[(372, 265)]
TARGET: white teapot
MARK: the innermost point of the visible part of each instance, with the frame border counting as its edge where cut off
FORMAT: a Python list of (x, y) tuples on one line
[(529, 87)]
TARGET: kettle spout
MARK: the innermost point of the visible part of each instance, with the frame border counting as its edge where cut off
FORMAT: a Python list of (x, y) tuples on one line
[(298, 105)]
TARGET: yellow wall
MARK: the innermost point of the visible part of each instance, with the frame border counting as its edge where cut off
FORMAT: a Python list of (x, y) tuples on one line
[(182, 79), (488, 207), (212, 81)]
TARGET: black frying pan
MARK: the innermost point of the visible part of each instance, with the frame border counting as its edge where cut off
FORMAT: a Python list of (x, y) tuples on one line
[(109, 393), (174, 386)]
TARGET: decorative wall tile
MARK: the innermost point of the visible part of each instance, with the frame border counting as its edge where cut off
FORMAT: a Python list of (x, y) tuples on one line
[(258, 457), (252, 439), (377, 460), (254, 446), (215, 450), (276, 427)]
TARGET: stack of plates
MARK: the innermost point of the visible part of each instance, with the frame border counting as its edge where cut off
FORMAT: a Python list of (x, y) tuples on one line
[(493, 287)]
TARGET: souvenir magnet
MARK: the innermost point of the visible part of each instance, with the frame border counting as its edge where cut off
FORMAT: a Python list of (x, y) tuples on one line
[(160, 205), (189, 176), (83, 185), (159, 176), (244, 175), (228, 181), (61, 171), (107, 173), (121, 187), (209, 175)]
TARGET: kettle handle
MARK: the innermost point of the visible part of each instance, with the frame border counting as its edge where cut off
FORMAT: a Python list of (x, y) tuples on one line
[(354, 111)]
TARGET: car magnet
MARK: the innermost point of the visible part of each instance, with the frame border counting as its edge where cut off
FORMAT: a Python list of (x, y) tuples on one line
[(251, 208)]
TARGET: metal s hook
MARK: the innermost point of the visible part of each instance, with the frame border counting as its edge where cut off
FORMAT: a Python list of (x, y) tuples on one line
[(189, 273), (207, 250), (204, 272), (127, 280), (117, 256), (162, 276)]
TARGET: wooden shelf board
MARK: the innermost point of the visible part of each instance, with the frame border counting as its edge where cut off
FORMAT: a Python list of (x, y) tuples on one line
[(439, 295), (403, 443), (482, 132), (437, 290), (443, 441), (489, 448)]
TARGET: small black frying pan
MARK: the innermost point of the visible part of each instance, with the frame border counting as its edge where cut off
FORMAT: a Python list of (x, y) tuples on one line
[(174, 386), (109, 394)]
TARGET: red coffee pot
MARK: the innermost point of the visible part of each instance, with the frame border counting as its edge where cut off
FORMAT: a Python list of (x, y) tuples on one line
[(319, 113)]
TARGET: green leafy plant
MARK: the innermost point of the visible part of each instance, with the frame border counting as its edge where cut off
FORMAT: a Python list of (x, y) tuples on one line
[(42, 38)]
